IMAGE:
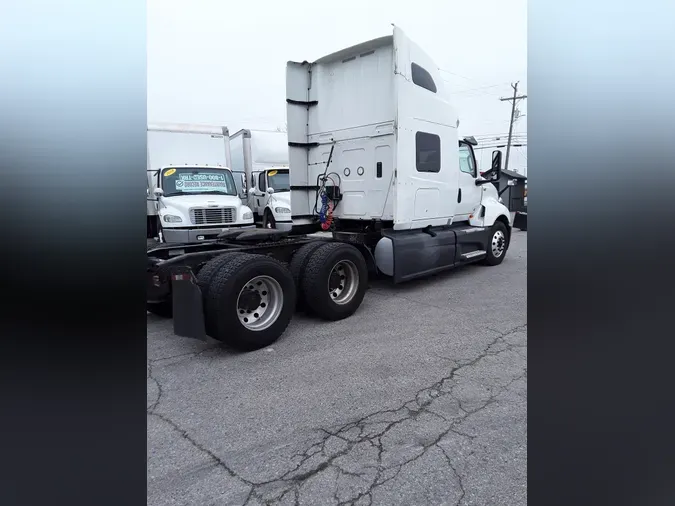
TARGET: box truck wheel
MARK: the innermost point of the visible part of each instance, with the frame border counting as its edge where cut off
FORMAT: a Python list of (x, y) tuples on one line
[(497, 244), (268, 220), (204, 277), (298, 265), (251, 300), (335, 280), (162, 309)]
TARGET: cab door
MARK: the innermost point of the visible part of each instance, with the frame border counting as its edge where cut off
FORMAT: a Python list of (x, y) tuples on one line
[(253, 192), (261, 193), (468, 194)]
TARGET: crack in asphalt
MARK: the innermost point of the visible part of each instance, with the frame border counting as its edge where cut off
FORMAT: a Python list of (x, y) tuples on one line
[(367, 430), (388, 295), (457, 475), (187, 356), (186, 436), (160, 391)]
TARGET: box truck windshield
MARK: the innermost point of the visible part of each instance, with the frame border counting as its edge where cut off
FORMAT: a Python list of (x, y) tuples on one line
[(278, 180), (195, 181)]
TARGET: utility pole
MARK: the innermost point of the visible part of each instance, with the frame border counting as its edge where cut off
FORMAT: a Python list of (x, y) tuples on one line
[(513, 113)]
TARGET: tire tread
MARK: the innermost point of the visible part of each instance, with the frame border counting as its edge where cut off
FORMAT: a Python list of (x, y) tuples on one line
[(489, 259), (312, 286), (218, 313), (204, 277), (297, 267)]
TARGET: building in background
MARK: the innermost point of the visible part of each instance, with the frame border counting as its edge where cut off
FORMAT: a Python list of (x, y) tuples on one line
[(512, 188)]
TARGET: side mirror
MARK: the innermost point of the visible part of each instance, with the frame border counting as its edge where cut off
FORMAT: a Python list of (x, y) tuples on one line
[(158, 192), (496, 169), (270, 190)]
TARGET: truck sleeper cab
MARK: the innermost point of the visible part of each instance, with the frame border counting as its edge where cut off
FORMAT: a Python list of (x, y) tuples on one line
[(375, 160)]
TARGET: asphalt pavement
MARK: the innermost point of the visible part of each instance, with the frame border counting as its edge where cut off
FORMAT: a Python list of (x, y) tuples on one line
[(420, 398)]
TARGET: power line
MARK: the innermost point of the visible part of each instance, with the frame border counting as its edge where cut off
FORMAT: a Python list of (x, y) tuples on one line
[(455, 74), (472, 94), (499, 146), (482, 83), (501, 140), (477, 88), (497, 136)]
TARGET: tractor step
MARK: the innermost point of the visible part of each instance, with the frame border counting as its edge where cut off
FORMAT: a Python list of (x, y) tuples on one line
[(473, 254)]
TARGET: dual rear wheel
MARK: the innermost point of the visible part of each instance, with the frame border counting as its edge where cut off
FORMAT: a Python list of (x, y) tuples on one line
[(249, 299)]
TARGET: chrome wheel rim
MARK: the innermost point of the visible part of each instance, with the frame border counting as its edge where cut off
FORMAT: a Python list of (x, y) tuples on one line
[(498, 243), (259, 303), (343, 282)]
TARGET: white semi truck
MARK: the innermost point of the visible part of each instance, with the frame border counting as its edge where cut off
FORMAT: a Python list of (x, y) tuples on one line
[(261, 158), (192, 194), (375, 159)]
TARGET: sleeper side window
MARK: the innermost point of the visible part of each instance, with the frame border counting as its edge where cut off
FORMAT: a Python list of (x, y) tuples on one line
[(422, 78), (427, 152)]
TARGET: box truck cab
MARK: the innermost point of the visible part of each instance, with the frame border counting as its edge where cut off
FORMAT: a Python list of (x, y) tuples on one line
[(260, 157), (270, 197), (192, 193)]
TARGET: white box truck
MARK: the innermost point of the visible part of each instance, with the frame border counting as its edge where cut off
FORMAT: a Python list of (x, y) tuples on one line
[(191, 191), (375, 158), (261, 157)]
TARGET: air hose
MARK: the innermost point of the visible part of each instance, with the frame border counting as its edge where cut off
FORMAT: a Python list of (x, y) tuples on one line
[(326, 212)]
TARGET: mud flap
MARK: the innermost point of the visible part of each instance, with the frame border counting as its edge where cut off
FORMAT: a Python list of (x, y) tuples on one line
[(188, 310)]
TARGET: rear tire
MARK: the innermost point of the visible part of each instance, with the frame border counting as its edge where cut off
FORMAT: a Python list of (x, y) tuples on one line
[(162, 309), (335, 280), (204, 277), (250, 318), (297, 267), (497, 244)]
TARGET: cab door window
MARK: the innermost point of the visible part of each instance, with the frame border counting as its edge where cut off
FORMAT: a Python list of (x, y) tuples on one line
[(467, 163)]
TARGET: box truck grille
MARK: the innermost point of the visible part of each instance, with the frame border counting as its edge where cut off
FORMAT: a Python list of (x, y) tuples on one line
[(214, 216)]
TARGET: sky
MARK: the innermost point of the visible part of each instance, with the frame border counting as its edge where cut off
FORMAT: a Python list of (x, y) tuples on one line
[(221, 62)]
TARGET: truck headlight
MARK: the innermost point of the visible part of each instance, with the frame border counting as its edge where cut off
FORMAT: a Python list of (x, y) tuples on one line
[(248, 215), (172, 218), (282, 210)]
